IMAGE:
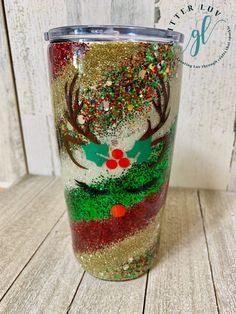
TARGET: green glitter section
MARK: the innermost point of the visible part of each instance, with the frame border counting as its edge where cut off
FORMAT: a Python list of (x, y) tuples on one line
[(82, 205)]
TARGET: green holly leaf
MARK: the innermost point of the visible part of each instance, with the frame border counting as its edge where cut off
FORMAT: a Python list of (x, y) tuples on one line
[(142, 149), (96, 153)]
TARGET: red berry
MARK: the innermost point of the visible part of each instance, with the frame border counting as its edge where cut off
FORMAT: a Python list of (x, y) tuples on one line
[(117, 153), (124, 162), (118, 210), (111, 164)]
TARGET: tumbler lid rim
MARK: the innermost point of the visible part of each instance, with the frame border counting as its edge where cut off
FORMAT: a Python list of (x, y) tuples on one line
[(112, 33)]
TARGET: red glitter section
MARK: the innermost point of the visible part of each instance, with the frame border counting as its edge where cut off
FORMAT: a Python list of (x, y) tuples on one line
[(61, 53), (89, 236)]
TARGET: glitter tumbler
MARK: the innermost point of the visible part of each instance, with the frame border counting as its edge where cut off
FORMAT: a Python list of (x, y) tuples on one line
[(115, 96)]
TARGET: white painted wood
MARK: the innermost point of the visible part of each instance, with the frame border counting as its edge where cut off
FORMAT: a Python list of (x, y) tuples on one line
[(181, 281), (131, 12), (220, 222), (17, 197), (23, 233), (49, 282), (91, 12), (207, 111), (98, 296), (38, 141), (27, 21), (5, 184), (12, 160), (232, 183)]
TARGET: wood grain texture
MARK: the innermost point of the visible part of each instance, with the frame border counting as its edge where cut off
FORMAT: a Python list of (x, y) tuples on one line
[(97, 296), (205, 133), (17, 197), (49, 281), (181, 281), (91, 12), (218, 210), (12, 160), (131, 12), (23, 233), (26, 27), (232, 183)]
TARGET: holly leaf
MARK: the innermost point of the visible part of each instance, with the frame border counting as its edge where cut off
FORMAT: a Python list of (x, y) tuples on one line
[(96, 153), (142, 149)]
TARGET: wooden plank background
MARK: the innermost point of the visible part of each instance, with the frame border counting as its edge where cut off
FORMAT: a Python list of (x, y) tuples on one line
[(205, 138), (218, 211), (194, 273), (183, 265), (12, 160)]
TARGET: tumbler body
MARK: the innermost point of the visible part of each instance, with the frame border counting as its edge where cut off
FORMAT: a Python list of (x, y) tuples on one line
[(115, 99)]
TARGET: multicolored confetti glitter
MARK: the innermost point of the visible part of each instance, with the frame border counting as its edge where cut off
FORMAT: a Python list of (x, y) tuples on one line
[(115, 107)]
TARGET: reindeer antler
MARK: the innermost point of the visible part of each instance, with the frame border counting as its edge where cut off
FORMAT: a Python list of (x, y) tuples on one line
[(73, 110), (161, 107)]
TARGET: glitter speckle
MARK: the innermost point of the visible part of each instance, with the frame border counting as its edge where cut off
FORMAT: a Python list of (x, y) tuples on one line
[(106, 105), (114, 141), (151, 66), (109, 83), (142, 73), (125, 267), (81, 119)]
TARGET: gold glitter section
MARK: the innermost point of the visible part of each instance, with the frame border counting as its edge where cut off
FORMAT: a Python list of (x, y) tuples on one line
[(100, 58), (119, 253)]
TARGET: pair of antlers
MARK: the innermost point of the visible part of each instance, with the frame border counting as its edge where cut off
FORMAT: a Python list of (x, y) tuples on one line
[(74, 108)]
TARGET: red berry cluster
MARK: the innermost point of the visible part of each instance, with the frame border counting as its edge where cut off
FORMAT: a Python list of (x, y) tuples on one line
[(119, 159)]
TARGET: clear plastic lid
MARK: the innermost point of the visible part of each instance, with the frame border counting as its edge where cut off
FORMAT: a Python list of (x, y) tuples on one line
[(112, 33)]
